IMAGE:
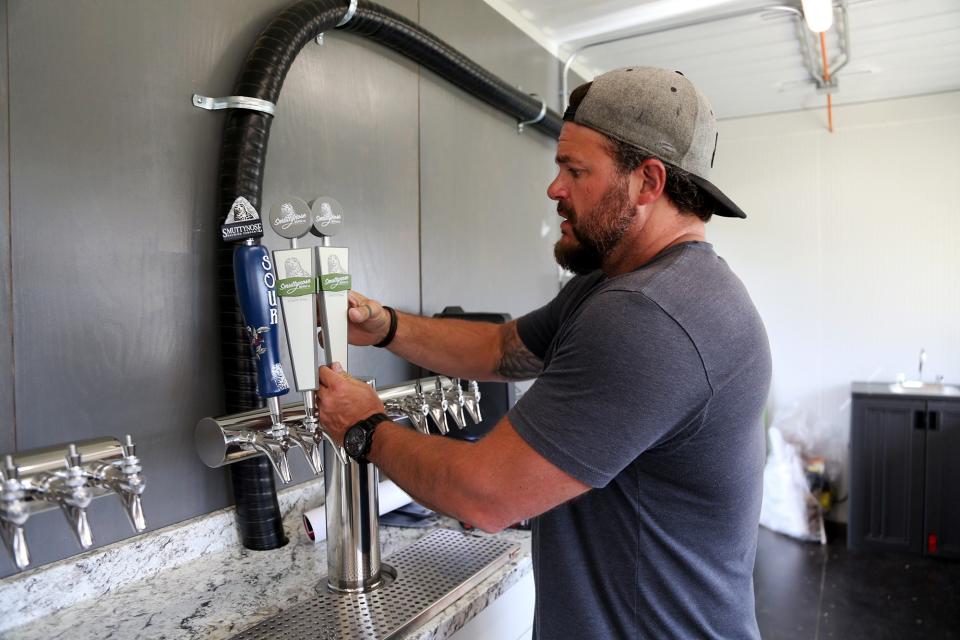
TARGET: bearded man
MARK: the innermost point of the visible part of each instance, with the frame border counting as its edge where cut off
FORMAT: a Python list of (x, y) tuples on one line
[(639, 450)]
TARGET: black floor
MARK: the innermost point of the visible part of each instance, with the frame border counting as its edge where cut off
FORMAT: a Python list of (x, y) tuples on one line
[(805, 591)]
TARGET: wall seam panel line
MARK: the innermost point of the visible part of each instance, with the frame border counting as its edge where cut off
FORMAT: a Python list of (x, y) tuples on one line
[(420, 170), (9, 284)]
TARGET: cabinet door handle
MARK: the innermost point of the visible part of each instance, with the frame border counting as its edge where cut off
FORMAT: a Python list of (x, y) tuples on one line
[(932, 421), (920, 420)]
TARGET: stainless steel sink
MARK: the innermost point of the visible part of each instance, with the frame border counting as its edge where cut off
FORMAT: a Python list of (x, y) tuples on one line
[(911, 387)]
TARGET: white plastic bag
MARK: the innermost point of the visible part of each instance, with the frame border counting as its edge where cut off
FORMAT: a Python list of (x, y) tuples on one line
[(788, 506)]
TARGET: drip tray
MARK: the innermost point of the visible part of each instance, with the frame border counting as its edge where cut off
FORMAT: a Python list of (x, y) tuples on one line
[(431, 574)]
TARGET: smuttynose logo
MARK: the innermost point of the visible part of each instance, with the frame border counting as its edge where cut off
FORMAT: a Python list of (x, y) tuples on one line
[(243, 211), (290, 287), (327, 216), (288, 217), (242, 222), (335, 282)]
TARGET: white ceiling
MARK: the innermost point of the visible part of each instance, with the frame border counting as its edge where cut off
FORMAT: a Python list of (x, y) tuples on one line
[(752, 64)]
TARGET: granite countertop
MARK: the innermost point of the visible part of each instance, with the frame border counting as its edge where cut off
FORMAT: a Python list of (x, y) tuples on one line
[(181, 582)]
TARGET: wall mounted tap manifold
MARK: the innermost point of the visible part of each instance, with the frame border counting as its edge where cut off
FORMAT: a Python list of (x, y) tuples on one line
[(68, 477)]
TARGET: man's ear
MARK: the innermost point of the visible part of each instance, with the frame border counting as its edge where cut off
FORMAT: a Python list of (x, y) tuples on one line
[(648, 181)]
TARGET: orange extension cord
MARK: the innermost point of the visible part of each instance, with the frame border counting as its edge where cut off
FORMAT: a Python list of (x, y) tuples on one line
[(826, 79)]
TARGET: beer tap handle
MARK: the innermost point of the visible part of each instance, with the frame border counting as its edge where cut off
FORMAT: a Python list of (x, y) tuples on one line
[(256, 292), (296, 270), (297, 288)]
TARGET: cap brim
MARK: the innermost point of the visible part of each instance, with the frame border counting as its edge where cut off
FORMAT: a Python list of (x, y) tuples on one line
[(726, 206)]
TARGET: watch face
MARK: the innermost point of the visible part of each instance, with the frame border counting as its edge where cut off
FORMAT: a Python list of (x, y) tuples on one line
[(354, 441)]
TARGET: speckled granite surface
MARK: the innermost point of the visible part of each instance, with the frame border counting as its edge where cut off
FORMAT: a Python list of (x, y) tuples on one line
[(194, 580)]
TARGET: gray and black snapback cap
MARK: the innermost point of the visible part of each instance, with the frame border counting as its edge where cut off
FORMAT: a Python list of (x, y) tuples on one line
[(661, 113)]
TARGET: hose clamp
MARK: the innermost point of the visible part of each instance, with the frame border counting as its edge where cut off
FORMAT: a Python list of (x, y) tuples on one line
[(352, 9), (538, 118), (234, 102)]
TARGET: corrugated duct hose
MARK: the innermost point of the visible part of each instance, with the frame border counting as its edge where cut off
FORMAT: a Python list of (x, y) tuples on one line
[(242, 158)]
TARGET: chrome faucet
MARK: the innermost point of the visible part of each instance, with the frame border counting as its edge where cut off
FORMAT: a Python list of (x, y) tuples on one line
[(13, 515), (414, 408), (124, 478), (436, 400), (68, 488), (455, 401), (471, 402), (227, 439), (350, 486), (923, 359)]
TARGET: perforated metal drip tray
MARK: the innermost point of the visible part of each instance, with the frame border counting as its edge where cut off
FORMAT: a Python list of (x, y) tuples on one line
[(431, 574)]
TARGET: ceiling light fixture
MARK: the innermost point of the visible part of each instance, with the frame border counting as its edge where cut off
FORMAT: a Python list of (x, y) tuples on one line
[(818, 14)]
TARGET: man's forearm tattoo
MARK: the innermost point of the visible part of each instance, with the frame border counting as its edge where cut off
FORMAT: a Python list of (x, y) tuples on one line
[(517, 362)]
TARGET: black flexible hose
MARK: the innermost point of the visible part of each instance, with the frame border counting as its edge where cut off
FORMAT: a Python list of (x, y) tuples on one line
[(242, 157)]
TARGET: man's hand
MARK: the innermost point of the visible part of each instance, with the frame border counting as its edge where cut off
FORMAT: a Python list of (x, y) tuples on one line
[(343, 401), (369, 321)]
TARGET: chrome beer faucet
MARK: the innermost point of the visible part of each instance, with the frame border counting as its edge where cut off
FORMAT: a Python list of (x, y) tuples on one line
[(68, 488), (275, 441), (44, 479), (455, 400), (444, 397), (14, 514), (125, 478), (471, 402), (436, 400)]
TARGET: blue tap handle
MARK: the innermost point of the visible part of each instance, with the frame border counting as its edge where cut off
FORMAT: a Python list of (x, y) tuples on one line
[(256, 292)]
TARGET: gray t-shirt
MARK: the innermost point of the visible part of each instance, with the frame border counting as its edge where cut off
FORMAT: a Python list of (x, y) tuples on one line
[(652, 392)]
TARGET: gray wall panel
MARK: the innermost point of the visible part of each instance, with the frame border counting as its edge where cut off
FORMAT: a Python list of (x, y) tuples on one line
[(112, 221), (114, 232), (487, 226), (7, 425)]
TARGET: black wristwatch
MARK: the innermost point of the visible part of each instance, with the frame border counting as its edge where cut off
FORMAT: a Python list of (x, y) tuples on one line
[(359, 437)]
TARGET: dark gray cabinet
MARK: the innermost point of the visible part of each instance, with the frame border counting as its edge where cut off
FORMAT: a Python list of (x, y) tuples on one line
[(905, 475), (942, 505)]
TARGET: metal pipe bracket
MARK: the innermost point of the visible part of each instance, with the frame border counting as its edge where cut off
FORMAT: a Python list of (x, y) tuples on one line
[(234, 102), (540, 116)]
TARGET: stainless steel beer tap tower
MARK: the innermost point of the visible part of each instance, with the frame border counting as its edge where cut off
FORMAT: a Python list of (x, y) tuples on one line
[(350, 487), (362, 597), (306, 276), (69, 477)]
